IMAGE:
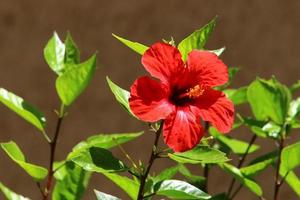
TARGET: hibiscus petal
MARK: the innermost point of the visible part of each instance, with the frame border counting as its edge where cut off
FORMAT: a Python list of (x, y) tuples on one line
[(207, 68), (213, 106), (149, 100), (162, 60), (182, 130)]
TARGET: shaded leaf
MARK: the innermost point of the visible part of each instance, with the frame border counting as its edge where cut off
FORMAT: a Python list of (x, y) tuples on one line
[(197, 181), (72, 54), (135, 46)]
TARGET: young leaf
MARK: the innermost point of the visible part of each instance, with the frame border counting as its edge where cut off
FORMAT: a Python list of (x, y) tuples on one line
[(197, 39), (295, 87), (10, 195), (290, 156), (54, 54), (294, 110), (105, 141), (236, 146), (176, 189), (272, 130), (237, 96), (13, 151), (269, 100), (237, 174), (135, 46), (218, 52), (122, 96), (74, 81), (100, 160), (200, 154), (72, 55), (73, 184), (23, 109), (104, 196), (129, 186)]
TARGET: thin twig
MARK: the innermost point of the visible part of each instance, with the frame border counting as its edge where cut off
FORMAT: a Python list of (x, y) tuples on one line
[(278, 183)]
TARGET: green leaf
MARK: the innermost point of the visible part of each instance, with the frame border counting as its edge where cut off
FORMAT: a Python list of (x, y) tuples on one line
[(10, 195), (129, 186), (218, 52), (73, 184), (238, 175), (13, 151), (290, 156), (176, 189), (272, 130), (135, 46), (23, 109), (105, 141), (96, 159), (200, 154), (295, 87), (166, 174), (221, 196), (254, 169), (294, 110), (74, 81), (121, 95), (104, 196), (292, 180), (72, 54), (236, 146), (197, 39), (54, 54), (269, 100), (197, 181), (237, 96)]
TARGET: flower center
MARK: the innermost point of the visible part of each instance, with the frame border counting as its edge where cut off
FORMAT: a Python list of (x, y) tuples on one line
[(193, 92)]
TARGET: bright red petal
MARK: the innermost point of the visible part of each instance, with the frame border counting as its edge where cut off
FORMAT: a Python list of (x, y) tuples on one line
[(149, 100), (182, 130), (162, 60), (213, 106), (207, 68)]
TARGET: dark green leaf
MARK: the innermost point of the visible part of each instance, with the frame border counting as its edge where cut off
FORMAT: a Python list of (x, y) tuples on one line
[(237, 174), (73, 82), (290, 156), (200, 154), (176, 189), (23, 109), (104, 196), (96, 159), (10, 195), (73, 185), (14, 152), (105, 141), (269, 100), (221, 196), (237, 96), (135, 46), (72, 55), (197, 181), (166, 174), (197, 39)]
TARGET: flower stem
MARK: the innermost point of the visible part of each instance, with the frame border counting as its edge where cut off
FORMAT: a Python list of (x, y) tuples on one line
[(278, 183), (52, 152), (240, 164), (150, 163)]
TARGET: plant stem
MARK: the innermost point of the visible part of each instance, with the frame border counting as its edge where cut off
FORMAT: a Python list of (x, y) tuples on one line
[(278, 183), (240, 164), (206, 175), (52, 152), (150, 163)]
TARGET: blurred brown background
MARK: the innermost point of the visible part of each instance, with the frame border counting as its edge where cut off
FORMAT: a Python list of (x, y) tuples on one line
[(261, 36)]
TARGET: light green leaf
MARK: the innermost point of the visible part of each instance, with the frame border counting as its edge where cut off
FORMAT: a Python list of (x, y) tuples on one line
[(200, 154), (237, 174), (72, 54), (197, 39), (10, 195), (73, 184), (121, 95), (272, 129), (105, 141), (218, 52), (74, 81), (237, 96), (23, 109), (257, 167), (166, 174), (176, 189), (135, 46), (269, 100), (294, 110), (295, 87), (96, 159), (290, 156), (236, 146), (129, 186), (13, 151), (292, 180), (104, 196)]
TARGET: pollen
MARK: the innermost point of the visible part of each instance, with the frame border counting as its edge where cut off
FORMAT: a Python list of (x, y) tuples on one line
[(195, 92)]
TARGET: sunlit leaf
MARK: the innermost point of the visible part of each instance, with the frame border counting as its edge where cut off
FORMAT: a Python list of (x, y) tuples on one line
[(104, 196), (295, 87), (10, 195), (135, 46), (294, 110), (218, 52), (290, 156), (23, 109), (237, 96), (14, 152), (272, 129)]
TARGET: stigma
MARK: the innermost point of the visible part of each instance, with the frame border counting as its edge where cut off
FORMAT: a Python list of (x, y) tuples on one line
[(193, 93)]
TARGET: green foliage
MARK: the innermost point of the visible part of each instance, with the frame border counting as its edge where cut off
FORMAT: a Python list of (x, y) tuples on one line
[(135, 46), (197, 181), (10, 195), (290, 156), (176, 189), (200, 154), (14, 152), (237, 96), (23, 109), (72, 185), (269, 99), (197, 39), (295, 87), (104, 196)]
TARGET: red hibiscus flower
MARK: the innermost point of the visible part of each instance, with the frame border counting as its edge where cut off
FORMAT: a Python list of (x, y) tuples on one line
[(182, 95)]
